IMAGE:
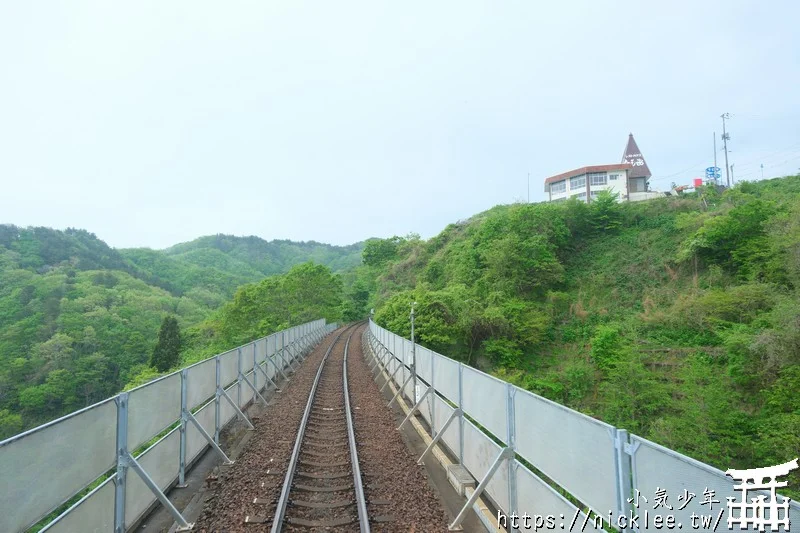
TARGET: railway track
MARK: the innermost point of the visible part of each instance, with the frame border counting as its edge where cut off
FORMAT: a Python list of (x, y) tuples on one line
[(309, 480), (323, 488)]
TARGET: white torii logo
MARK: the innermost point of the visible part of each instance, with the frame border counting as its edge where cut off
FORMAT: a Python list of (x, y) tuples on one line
[(762, 513)]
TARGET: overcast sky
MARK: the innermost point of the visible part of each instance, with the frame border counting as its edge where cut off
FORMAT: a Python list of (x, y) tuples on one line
[(152, 123)]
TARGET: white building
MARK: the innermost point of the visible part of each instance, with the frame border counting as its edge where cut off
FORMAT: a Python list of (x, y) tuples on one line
[(584, 183), (629, 179)]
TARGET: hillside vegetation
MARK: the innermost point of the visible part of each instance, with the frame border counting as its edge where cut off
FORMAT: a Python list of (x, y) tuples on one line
[(79, 319), (211, 268), (677, 319)]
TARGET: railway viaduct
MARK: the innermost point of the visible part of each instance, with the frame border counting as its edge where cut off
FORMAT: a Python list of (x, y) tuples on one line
[(323, 427)]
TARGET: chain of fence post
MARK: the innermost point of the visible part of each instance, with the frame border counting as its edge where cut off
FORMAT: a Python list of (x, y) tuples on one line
[(623, 482), (184, 408), (122, 465)]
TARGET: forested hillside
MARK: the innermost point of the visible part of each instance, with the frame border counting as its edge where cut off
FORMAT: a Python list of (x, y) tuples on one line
[(307, 292), (79, 319), (211, 268), (677, 319), (266, 257)]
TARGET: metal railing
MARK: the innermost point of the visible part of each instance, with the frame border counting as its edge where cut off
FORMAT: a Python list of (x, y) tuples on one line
[(495, 430), (47, 466)]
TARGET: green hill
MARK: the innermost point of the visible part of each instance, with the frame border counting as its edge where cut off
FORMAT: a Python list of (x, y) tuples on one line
[(266, 257), (79, 319), (677, 319), (213, 267)]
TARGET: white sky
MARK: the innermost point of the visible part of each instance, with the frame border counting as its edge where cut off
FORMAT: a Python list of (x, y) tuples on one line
[(152, 123)]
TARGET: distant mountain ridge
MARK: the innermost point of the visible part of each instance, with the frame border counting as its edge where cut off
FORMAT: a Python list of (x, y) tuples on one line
[(79, 318), (269, 257), (219, 263)]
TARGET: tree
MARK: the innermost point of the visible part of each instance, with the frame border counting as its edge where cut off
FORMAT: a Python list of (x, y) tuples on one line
[(606, 213), (355, 303), (10, 424), (378, 251), (307, 292), (166, 354)]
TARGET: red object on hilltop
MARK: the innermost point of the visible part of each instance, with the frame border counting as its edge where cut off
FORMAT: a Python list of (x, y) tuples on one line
[(698, 182)]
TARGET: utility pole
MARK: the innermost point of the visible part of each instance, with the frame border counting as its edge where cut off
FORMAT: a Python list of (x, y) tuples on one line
[(413, 355), (715, 156), (732, 173), (725, 138)]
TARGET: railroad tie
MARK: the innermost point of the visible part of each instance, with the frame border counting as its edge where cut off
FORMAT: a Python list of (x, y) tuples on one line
[(344, 521), (322, 505)]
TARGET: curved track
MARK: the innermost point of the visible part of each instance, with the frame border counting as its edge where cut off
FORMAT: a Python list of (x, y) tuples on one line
[(323, 488)]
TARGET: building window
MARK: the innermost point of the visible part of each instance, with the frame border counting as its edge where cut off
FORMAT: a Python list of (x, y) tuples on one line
[(580, 196), (577, 182), (558, 187), (597, 178), (613, 177)]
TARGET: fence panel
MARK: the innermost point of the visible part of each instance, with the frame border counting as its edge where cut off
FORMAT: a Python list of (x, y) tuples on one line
[(479, 454), (485, 401), (656, 467), (247, 393), (424, 358), (229, 367), (570, 448), (195, 443), (201, 382), (261, 350), (43, 468), (536, 497), (393, 365), (425, 407), (226, 412), (248, 351), (452, 436), (95, 514), (153, 407), (445, 377), (159, 461)]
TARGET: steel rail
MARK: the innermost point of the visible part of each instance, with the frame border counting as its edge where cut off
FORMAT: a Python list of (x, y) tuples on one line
[(361, 501), (283, 502)]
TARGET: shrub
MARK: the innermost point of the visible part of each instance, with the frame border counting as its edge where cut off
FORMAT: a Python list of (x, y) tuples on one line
[(504, 352), (606, 347)]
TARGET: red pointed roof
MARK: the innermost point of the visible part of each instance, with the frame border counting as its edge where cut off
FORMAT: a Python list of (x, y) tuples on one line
[(634, 157)]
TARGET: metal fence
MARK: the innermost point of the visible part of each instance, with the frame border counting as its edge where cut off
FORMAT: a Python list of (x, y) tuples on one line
[(496, 429), (45, 467)]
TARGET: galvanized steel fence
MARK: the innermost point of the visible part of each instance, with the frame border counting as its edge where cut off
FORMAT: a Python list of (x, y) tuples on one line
[(597, 464), (45, 467)]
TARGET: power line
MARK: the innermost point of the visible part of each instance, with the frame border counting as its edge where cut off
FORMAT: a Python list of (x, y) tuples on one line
[(791, 148), (680, 172), (775, 165), (763, 117)]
